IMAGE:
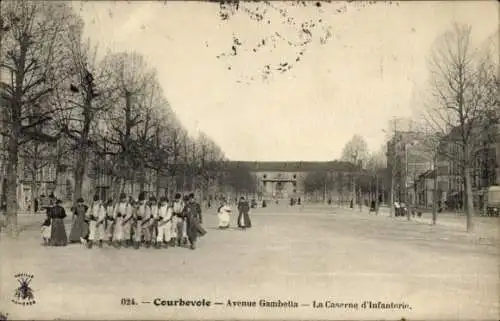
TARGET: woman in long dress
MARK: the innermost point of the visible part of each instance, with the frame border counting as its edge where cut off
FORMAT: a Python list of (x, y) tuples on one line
[(80, 228), (243, 217), (224, 215), (58, 236)]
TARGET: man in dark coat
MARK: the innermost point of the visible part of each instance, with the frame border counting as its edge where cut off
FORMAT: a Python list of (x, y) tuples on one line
[(194, 221)]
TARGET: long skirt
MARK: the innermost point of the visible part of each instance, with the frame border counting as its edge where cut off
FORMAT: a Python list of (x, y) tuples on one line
[(80, 229), (224, 219), (58, 236), (244, 220), (194, 229)]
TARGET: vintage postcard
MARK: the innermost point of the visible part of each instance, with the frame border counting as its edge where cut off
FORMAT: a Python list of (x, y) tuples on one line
[(249, 160)]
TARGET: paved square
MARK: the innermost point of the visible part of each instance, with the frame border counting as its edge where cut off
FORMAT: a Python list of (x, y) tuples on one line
[(305, 255)]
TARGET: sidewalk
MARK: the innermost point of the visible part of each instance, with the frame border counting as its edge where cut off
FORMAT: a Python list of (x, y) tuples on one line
[(483, 226)]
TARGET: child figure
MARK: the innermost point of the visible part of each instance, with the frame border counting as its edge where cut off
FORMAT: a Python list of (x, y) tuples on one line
[(46, 231)]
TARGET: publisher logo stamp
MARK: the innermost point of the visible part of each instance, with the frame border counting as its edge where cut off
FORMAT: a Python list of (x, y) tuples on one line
[(24, 294)]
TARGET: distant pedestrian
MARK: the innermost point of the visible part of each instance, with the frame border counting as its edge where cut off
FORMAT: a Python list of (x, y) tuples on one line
[(58, 236), (80, 228), (243, 214)]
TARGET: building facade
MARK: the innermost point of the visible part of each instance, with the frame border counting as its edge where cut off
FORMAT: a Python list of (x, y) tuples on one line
[(407, 159), (450, 184), (286, 180)]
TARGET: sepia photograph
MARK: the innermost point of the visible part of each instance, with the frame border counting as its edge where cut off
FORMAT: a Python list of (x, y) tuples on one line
[(249, 160)]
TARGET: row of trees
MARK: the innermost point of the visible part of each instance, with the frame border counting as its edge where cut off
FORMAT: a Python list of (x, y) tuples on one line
[(61, 104)]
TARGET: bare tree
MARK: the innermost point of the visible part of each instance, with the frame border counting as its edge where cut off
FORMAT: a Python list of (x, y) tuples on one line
[(129, 76), (146, 129), (239, 179), (159, 148), (210, 158), (36, 156), (84, 96), (464, 100), (177, 169), (356, 152), (32, 57), (375, 165)]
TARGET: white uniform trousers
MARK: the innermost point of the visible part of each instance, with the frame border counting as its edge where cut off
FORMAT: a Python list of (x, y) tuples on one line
[(122, 231), (164, 232), (173, 226), (109, 229), (141, 231), (96, 232), (147, 230), (153, 230), (180, 227)]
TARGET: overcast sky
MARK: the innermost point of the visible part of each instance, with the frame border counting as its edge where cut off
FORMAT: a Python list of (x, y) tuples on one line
[(354, 84)]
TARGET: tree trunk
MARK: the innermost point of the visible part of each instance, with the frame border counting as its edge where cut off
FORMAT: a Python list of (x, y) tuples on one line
[(469, 209), (79, 173), (11, 186), (33, 192)]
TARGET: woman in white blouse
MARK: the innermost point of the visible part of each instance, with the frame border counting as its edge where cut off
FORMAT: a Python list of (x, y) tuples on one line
[(224, 214)]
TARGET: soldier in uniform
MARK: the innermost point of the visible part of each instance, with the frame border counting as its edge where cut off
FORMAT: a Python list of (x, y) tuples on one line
[(96, 216), (123, 221), (164, 224), (110, 221), (179, 221), (140, 215), (153, 229), (147, 224)]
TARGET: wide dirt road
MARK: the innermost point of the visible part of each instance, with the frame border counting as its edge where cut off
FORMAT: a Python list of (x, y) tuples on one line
[(307, 256)]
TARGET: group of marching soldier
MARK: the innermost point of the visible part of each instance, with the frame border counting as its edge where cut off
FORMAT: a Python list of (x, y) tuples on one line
[(145, 222)]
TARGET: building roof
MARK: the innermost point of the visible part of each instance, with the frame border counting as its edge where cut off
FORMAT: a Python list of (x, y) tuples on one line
[(291, 166)]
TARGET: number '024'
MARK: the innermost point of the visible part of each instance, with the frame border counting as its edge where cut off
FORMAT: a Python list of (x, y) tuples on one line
[(127, 301)]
